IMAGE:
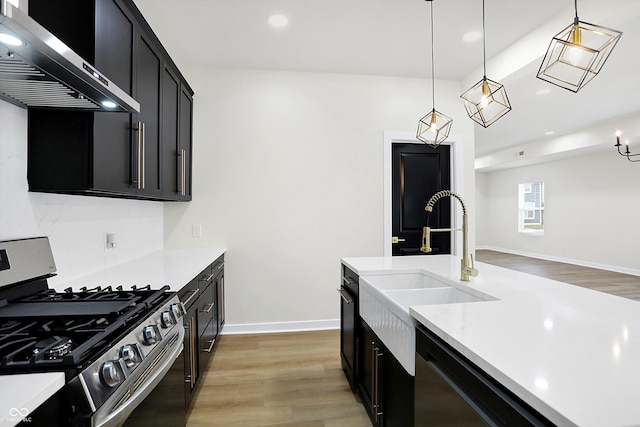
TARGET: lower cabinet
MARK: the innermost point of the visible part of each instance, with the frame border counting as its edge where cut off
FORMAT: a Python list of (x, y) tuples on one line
[(203, 299), (451, 390), (386, 389), (349, 324)]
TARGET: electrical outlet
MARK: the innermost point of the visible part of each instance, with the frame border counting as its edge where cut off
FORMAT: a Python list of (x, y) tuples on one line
[(196, 230), (111, 241)]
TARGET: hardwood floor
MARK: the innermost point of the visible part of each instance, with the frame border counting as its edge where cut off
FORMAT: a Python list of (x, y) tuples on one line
[(287, 379), (295, 379), (623, 285)]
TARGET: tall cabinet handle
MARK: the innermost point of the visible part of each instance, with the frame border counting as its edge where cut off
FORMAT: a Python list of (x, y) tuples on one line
[(184, 172), (181, 178), (376, 408), (138, 179), (142, 162)]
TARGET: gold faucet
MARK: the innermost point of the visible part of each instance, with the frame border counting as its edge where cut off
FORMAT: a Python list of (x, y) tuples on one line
[(467, 267)]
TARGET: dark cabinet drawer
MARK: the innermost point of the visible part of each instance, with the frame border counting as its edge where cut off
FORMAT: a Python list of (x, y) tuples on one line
[(206, 308)]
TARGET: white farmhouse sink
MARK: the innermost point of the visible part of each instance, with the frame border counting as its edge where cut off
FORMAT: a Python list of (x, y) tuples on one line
[(408, 297), (385, 300), (404, 281)]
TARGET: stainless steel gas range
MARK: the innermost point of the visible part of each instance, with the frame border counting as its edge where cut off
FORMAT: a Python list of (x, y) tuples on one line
[(113, 345)]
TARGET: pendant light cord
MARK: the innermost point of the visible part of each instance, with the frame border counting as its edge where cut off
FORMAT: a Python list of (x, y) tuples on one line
[(433, 73), (484, 45), (575, 7)]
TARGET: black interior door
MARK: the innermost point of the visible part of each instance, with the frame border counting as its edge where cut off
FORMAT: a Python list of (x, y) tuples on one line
[(418, 172)]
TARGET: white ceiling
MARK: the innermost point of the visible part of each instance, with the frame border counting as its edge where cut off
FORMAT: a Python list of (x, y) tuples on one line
[(391, 38)]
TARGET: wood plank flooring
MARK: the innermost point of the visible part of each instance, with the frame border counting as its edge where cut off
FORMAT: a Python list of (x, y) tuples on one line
[(295, 379), (623, 285), (287, 379)]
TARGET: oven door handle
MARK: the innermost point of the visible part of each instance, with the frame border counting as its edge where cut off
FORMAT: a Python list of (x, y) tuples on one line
[(117, 417)]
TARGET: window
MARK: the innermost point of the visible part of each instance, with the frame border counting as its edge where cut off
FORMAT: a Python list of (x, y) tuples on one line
[(531, 208)]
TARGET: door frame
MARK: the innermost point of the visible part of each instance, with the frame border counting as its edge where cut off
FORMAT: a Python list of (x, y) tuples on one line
[(457, 184)]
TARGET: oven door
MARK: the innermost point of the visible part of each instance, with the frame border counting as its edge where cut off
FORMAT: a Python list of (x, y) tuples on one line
[(133, 392), (165, 405)]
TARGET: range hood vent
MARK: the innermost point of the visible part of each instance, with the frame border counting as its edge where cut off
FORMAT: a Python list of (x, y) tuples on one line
[(38, 70)]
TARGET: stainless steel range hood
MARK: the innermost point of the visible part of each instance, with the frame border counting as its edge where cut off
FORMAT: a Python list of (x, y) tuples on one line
[(38, 70)]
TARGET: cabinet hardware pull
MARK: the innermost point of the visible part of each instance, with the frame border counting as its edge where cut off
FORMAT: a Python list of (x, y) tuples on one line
[(194, 292), (208, 310), (179, 174), (211, 343), (347, 300), (210, 277), (138, 180), (144, 140), (376, 370), (192, 345), (184, 172), (374, 380), (348, 281), (219, 266)]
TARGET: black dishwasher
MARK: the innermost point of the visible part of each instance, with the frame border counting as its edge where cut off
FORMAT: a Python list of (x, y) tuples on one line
[(451, 391)]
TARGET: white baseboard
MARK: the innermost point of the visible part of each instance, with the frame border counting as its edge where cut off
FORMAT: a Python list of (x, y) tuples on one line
[(614, 268), (268, 328)]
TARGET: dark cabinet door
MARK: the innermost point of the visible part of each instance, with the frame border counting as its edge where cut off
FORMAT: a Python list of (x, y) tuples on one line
[(112, 132), (347, 333), (185, 145), (370, 375), (191, 353), (170, 147), (146, 155)]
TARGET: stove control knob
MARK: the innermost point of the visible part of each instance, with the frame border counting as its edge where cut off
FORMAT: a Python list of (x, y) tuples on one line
[(167, 319), (111, 373), (151, 334), (131, 354), (178, 310)]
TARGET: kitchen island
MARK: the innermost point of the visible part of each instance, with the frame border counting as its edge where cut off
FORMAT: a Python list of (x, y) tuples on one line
[(570, 353)]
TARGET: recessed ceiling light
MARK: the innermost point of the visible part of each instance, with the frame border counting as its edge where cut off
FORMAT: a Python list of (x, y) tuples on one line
[(544, 91), (278, 21), (472, 36), (549, 132)]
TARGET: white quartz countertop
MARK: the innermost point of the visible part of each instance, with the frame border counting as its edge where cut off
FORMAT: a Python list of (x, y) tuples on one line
[(20, 394), (173, 267), (572, 353)]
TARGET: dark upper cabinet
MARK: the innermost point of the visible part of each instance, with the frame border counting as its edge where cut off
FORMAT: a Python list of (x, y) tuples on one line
[(177, 112), (113, 154)]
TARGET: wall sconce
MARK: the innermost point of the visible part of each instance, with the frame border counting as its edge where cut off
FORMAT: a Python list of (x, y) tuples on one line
[(626, 153)]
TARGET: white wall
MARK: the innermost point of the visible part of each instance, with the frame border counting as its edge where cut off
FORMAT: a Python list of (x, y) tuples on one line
[(75, 225), (482, 214), (591, 211), (288, 176)]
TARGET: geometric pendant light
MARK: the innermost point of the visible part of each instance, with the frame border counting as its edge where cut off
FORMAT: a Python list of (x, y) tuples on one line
[(577, 53), (487, 100), (433, 128)]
